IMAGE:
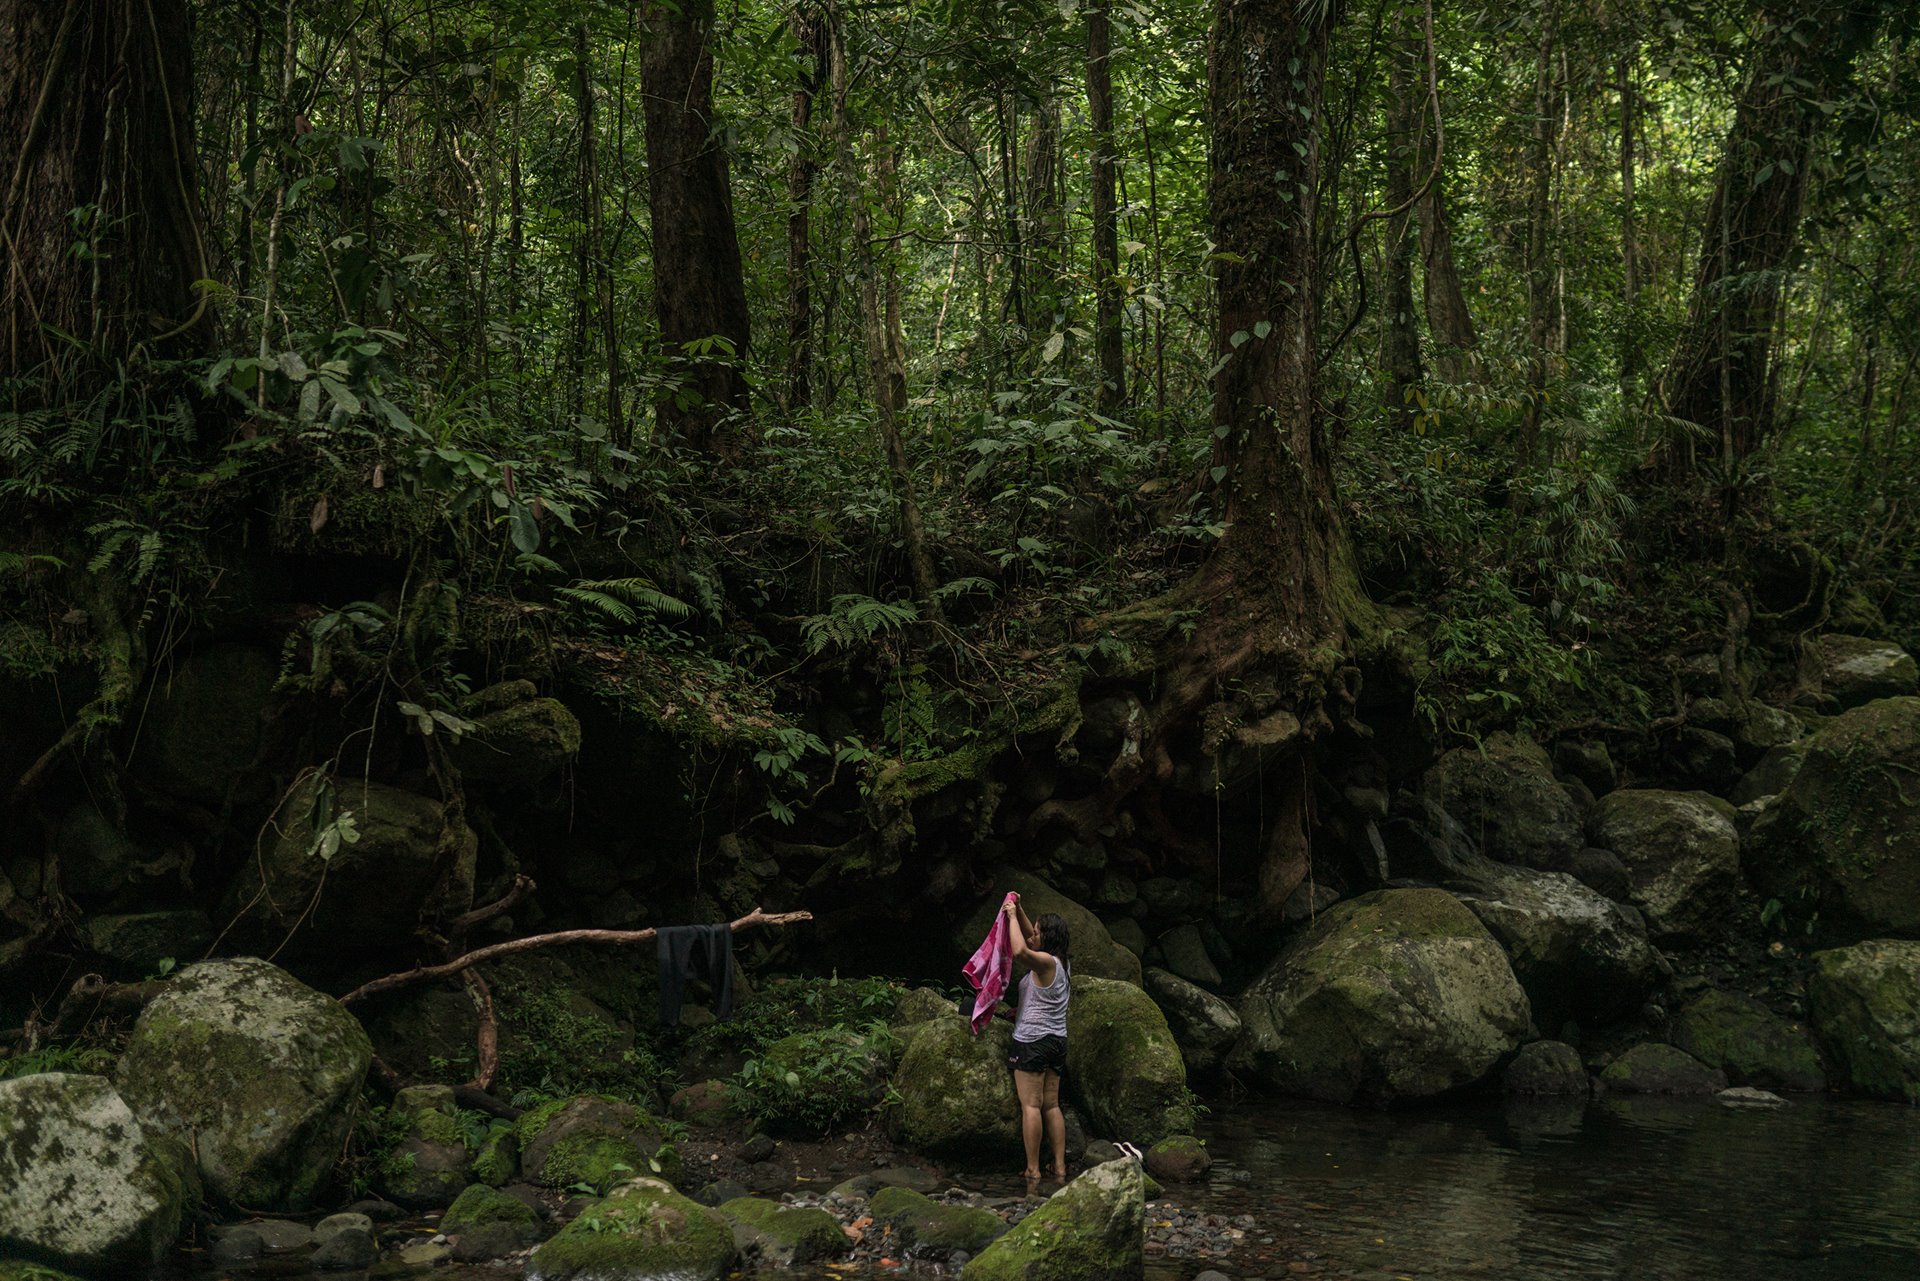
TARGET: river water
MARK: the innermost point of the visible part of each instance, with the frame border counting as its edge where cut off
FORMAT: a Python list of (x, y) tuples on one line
[(1611, 1190)]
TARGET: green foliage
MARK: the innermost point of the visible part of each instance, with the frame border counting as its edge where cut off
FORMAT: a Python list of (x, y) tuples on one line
[(556, 1052), (622, 601), (853, 619), (86, 1059), (792, 1005), (814, 1082), (1493, 662)]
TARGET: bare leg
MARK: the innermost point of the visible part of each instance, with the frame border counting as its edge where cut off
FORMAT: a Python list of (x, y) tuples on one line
[(1056, 1125), (1028, 1086)]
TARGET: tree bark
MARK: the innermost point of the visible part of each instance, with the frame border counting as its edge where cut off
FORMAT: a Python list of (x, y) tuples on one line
[(699, 294), (1108, 354), (805, 25), (1403, 367), (1720, 375), (1449, 323), (1629, 233), (96, 120), (1539, 262)]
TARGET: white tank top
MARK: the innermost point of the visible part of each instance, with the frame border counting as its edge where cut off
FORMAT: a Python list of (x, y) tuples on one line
[(1043, 1010)]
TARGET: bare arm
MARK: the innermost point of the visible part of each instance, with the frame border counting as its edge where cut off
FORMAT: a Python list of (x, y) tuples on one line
[(1020, 929)]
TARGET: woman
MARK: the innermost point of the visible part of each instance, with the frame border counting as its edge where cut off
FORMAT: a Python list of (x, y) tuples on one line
[(1039, 1057)]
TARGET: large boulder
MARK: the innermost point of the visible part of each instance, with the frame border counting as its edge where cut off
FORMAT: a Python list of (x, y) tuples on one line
[(955, 1094), (428, 1168), (1204, 1026), (592, 1140), (82, 1185), (1682, 852), (1653, 1068), (1546, 1068), (1855, 670), (201, 732), (487, 1223), (138, 943), (1506, 797), (1396, 995), (1094, 952), (517, 736), (927, 1229), (1093, 1227), (1123, 1067), (1747, 1041), (644, 1231), (351, 896), (1578, 954), (784, 1236), (1843, 836), (1864, 1002), (255, 1071)]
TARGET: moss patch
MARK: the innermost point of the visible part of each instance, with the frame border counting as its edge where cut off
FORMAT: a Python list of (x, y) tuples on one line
[(645, 1229)]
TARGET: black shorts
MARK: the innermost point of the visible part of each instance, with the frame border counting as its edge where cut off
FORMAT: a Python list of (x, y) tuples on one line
[(1048, 1054)]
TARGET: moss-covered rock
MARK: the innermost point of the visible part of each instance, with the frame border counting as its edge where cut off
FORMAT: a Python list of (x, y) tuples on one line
[(783, 1235), (704, 1104), (595, 1141), (924, 1228), (1095, 954), (429, 1167), (917, 1005), (1844, 835), (81, 1183), (645, 1231), (1864, 1003), (1094, 1229), (1747, 1041), (1204, 1026), (200, 734), (498, 1160), (489, 1223), (1546, 1068), (1395, 995), (1653, 1068), (1855, 669), (517, 736), (955, 1092), (255, 1071), (1682, 853), (138, 942), (1180, 1159), (366, 897), (1505, 795), (1123, 1067)]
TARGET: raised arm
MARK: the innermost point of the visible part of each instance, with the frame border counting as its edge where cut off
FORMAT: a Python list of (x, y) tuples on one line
[(1021, 931)]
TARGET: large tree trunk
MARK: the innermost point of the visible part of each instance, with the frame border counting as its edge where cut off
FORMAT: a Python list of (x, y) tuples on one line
[(698, 291), (1045, 215), (1629, 233), (1539, 263), (1720, 374), (805, 24), (1403, 368), (1106, 241), (97, 150)]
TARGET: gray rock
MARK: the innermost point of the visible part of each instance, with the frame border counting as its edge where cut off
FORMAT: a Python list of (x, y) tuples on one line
[(237, 1245), (1864, 1002), (1856, 670), (1652, 1068), (199, 736), (257, 1071), (1745, 1096), (96, 857), (1706, 757), (1116, 890), (142, 940), (721, 1191), (283, 1236), (1175, 900), (1124, 1070), (1506, 797), (83, 1184), (955, 1096), (1546, 1068), (1588, 762), (1186, 954), (1130, 934), (911, 1177), (1750, 1043), (516, 736), (758, 1148), (1204, 1026), (348, 1249), (1770, 776), (1602, 871), (1682, 851), (325, 1230), (1093, 1227)]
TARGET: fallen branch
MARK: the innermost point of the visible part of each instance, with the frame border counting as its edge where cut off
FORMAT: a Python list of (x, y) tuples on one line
[(532, 942), (522, 886)]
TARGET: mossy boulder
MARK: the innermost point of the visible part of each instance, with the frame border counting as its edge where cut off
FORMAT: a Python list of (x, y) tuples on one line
[(1124, 1069), (924, 1228), (255, 1071), (955, 1092), (917, 1005), (1095, 954), (1682, 854), (1204, 1026), (489, 1223), (1397, 995), (363, 899), (82, 1185), (1747, 1041), (1855, 669), (1864, 1003), (498, 1160), (1506, 797), (518, 737), (592, 1140), (1653, 1068), (1094, 1228), (201, 731), (1180, 1159), (784, 1236), (1578, 954), (644, 1231), (138, 942), (1546, 1068), (429, 1167), (1844, 835), (705, 1104)]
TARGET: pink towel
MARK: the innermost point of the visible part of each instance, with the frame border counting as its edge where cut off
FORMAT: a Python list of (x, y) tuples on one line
[(990, 968)]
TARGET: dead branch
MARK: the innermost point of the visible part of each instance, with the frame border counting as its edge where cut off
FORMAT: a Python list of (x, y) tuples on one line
[(522, 886), (533, 942)]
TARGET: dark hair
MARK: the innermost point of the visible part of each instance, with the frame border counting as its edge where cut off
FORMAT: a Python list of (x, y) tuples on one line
[(1054, 938)]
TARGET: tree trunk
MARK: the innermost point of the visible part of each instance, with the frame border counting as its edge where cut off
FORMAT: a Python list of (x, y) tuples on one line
[(1403, 367), (1108, 355), (1449, 323), (805, 24), (1539, 263), (699, 296), (1629, 234), (1720, 374), (95, 113), (1045, 216)]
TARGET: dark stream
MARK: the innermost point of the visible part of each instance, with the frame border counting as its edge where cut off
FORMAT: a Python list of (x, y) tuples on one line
[(1615, 1190)]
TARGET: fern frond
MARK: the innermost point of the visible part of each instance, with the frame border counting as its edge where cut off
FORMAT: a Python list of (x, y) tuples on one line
[(853, 618), (624, 599)]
